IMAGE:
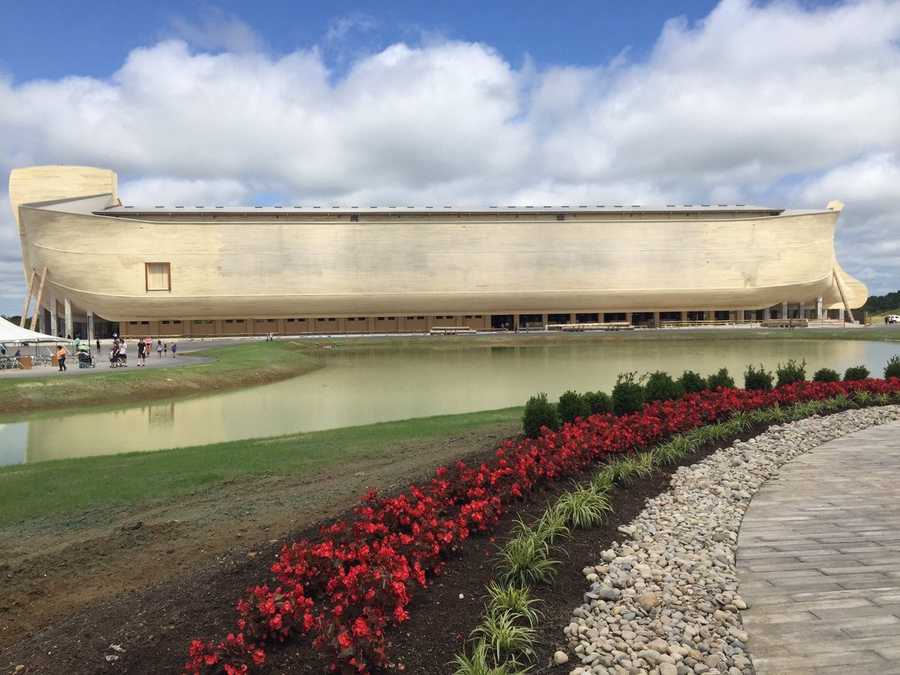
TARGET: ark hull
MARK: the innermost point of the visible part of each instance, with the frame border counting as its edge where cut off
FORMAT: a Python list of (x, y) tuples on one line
[(292, 263)]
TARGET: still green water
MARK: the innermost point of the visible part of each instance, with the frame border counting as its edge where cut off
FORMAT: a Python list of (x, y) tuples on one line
[(362, 387)]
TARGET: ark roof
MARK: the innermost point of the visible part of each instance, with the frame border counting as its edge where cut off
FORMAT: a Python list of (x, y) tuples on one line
[(565, 208)]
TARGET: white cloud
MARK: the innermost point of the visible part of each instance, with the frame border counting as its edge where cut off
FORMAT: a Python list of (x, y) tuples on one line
[(771, 103), (184, 192), (343, 26), (217, 30)]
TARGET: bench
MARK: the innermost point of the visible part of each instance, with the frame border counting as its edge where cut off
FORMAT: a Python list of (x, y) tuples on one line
[(574, 327), (451, 330), (785, 323)]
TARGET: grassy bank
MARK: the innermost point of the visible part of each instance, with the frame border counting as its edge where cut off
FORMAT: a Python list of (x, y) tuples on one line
[(227, 368), (70, 486)]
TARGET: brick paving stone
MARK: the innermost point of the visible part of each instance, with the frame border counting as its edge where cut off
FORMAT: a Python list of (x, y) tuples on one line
[(819, 560)]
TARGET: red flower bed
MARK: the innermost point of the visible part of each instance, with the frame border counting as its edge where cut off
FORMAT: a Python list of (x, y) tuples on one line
[(345, 589)]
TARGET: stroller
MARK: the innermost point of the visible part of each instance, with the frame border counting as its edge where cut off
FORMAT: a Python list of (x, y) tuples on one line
[(118, 358), (85, 360)]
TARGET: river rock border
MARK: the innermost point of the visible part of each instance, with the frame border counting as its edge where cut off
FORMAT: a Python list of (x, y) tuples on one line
[(664, 600)]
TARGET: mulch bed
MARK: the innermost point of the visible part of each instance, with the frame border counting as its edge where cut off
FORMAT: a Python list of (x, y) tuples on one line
[(154, 626)]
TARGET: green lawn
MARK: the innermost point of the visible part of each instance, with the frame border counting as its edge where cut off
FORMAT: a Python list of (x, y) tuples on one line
[(69, 486)]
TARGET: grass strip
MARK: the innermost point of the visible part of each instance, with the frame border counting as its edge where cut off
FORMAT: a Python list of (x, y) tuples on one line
[(68, 486)]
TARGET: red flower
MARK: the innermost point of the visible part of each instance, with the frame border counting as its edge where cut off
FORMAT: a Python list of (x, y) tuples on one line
[(360, 627)]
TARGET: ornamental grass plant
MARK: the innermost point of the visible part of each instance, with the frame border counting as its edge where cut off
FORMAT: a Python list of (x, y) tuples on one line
[(506, 636), (478, 663), (583, 507), (513, 598)]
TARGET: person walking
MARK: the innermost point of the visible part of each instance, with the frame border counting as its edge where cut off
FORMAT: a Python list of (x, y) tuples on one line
[(98, 346), (159, 348), (174, 347), (61, 357), (140, 360), (166, 348)]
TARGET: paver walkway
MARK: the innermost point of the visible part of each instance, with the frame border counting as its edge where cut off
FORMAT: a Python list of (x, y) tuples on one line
[(819, 560)]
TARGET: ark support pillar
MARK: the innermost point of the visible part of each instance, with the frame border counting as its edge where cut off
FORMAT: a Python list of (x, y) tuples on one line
[(70, 327)]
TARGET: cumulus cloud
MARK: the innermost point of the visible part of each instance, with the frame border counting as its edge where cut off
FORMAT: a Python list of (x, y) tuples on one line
[(776, 103)]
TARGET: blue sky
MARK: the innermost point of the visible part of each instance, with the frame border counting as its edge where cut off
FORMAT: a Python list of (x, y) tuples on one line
[(785, 103), (93, 38)]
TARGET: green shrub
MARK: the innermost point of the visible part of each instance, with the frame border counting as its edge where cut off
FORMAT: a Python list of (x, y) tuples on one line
[(661, 387), (539, 412), (791, 372), (892, 369), (760, 380), (826, 375), (571, 405), (691, 382), (627, 395), (599, 401), (720, 379), (854, 373)]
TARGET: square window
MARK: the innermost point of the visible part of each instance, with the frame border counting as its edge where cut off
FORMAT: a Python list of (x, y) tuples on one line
[(157, 276)]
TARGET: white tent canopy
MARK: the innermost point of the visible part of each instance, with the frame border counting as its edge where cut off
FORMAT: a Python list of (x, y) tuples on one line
[(10, 332)]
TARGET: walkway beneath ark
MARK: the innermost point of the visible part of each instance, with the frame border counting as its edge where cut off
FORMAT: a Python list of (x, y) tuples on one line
[(819, 560)]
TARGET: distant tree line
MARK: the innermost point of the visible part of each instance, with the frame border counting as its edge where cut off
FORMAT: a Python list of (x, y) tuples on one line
[(878, 304)]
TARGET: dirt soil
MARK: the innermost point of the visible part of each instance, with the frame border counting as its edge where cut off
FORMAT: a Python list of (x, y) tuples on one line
[(131, 597), (70, 589)]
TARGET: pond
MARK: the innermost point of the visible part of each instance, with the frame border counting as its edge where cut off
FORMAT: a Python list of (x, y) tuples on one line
[(364, 386)]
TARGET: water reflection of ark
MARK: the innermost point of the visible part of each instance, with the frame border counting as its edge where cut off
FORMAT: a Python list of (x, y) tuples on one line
[(13, 443), (161, 413), (26, 443)]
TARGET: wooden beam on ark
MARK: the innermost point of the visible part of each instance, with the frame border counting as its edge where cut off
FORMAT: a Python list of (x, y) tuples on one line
[(837, 280), (27, 298), (40, 296)]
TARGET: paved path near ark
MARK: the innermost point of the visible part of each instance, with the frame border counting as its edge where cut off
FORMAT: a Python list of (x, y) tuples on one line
[(819, 560)]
